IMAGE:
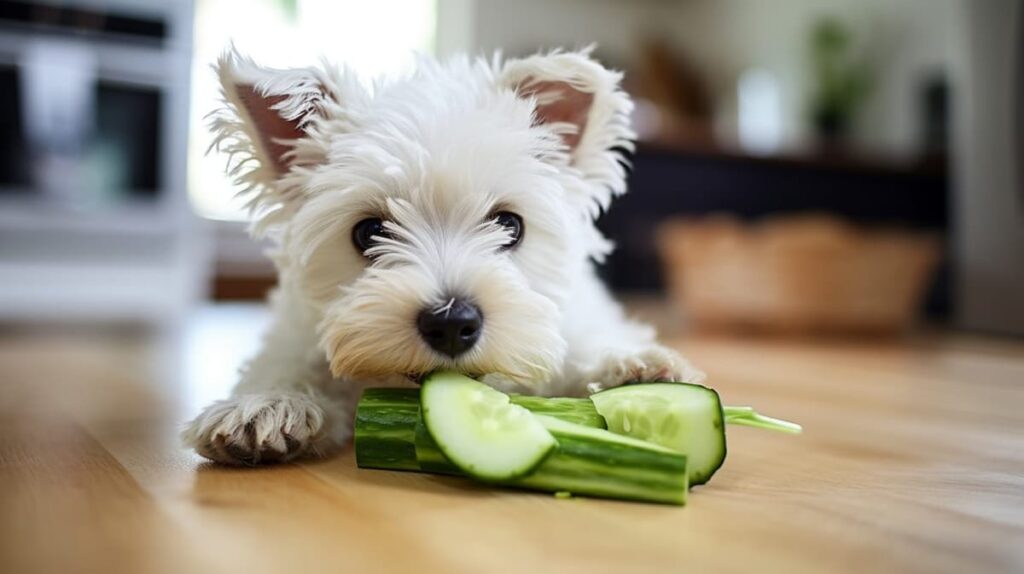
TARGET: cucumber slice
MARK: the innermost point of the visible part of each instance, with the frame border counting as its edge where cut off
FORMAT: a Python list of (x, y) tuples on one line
[(683, 417), (429, 455), (480, 431)]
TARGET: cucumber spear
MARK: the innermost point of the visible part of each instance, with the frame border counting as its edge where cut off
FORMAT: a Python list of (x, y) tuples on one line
[(688, 419)]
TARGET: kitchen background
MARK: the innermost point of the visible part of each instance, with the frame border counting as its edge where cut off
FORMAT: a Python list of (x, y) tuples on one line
[(804, 166), (826, 215)]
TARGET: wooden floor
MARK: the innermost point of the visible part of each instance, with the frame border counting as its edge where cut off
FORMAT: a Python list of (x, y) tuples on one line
[(912, 461)]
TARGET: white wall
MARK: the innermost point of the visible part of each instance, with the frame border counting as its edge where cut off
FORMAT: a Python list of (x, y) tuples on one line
[(617, 26), (905, 38)]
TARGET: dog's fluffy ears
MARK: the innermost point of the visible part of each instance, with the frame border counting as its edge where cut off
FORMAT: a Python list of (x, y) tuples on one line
[(583, 101), (261, 126), (271, 123)]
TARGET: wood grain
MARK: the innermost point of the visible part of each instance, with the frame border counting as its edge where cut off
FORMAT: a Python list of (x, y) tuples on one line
[(912, 461)]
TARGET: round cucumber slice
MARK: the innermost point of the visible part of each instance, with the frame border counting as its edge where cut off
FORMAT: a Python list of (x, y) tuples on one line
[(683, 417), (480, 431)]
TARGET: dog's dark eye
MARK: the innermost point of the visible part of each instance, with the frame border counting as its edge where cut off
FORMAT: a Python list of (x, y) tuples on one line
[(366, 232), (514, 224)]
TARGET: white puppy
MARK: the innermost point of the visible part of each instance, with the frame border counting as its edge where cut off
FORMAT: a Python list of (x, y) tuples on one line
[(440, 220)]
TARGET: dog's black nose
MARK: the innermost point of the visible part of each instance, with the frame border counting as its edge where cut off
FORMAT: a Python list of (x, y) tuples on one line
[(451, 329)]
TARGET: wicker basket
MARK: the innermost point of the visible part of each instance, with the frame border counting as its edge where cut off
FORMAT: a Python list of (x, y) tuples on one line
[(796, 274)]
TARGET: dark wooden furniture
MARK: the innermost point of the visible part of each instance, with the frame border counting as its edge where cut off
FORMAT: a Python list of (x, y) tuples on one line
[(672, 181)]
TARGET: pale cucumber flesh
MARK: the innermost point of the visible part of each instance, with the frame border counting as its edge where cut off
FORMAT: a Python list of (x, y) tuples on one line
[(480, 431), (683, 417)]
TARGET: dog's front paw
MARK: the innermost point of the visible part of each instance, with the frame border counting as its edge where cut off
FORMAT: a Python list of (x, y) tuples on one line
[(257, 428), (655, 363)]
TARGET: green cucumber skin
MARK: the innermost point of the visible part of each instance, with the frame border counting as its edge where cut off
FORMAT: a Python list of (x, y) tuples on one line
[(429, 455), (700, 471), (586, 467), (397, 455), (383, 439), (590, 468), (568, 409), (385, 429), (391, 440)]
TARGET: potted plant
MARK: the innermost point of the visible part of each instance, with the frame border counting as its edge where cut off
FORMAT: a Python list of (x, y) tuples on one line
[(841, 81)]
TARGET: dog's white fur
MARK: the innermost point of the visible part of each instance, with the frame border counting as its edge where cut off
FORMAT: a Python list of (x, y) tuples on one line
[(435, 154)]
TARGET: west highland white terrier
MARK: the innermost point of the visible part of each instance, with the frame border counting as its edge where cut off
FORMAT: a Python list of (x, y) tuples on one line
[(440, 220)]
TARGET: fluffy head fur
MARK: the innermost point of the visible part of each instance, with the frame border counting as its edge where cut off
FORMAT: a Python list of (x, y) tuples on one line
[(435, 155)]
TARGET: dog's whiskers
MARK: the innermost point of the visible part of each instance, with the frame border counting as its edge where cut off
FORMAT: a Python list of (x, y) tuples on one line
[(446, 308)]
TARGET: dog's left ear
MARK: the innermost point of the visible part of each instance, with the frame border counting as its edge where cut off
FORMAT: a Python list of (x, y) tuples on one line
[(269, 126), (583, 102)]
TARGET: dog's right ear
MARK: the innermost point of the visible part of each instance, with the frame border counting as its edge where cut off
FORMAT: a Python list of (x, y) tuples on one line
[(583, 102), (269, 126)]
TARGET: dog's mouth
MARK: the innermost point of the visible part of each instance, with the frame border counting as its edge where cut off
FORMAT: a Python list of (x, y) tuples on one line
[(418, 378)]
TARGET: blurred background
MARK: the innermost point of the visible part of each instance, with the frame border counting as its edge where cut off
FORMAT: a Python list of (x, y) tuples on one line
[(826, 213), (807, 166)]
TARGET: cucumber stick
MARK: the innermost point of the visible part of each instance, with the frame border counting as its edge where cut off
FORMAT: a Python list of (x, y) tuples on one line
[(480, 430), (388, 427), (688, 419), (573, 410), (385, 429), (595, 462), (588, 462)]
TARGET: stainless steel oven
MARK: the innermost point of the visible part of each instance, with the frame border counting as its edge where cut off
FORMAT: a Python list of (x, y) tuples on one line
[(85, 90), (94, 215)]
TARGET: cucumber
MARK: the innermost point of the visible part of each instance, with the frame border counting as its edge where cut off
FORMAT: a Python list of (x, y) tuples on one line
[(588, 462), (595, 462), (683, 417), (479, 430), (385, 429), (390, 434), (573, 410), (429, 455)]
